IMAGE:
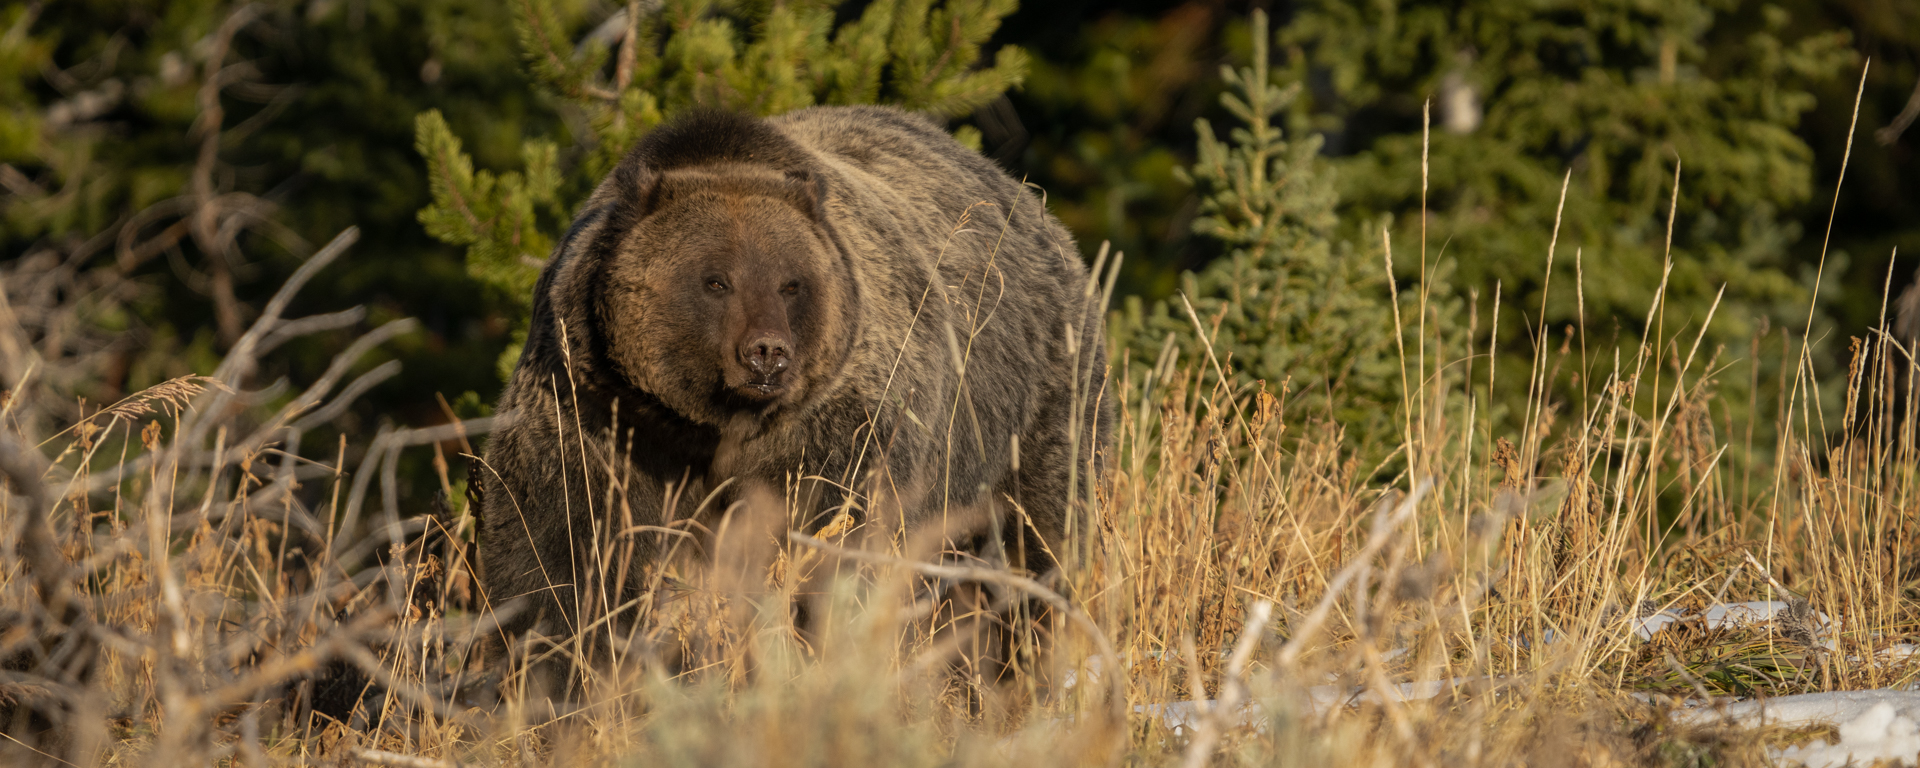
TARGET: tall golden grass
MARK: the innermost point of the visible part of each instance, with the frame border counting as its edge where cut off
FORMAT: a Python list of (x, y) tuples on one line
[(186, 582)]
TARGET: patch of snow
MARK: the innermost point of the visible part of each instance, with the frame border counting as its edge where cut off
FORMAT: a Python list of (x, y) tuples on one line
[(1874, 725), (1801, 709), (1897, 651), (1753, 612), (1880, 733), (1727, 615), (1646, 626)]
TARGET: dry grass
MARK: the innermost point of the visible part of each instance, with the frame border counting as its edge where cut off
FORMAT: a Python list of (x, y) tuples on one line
[(185, 583)]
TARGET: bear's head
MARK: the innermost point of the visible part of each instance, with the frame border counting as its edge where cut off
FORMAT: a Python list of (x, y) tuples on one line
[(725, 293)]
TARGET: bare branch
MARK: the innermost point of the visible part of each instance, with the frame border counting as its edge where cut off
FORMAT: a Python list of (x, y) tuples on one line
[(1890, 134), (311, 324), (240, 359), (25, 470)]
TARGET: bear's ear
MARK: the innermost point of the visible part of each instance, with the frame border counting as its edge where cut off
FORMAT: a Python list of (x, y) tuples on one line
[(808, 192), (639, 187)]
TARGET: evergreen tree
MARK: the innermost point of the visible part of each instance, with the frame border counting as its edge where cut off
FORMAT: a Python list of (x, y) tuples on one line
[(112, 140), (649, 60), (1290, 303), (1618, 93)]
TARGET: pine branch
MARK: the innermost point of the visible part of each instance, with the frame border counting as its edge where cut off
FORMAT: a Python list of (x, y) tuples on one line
[(767, 59), (450, 174)]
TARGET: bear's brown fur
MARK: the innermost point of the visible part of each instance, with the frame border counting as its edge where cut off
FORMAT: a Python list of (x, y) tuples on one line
[(840, 292)]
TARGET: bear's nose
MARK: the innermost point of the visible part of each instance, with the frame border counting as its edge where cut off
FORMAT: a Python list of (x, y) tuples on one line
[(766, 356)]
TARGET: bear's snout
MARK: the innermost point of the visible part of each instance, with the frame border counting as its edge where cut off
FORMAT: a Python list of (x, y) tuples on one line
[(767, 356)]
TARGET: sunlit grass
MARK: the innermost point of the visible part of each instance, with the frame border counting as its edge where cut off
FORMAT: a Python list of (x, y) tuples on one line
[(186, 581)]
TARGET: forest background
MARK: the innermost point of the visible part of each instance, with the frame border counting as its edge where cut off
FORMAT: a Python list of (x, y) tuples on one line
[(1626, 373), (124, 123)]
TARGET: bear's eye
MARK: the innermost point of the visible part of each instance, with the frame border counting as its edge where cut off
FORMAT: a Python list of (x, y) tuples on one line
[(715, 284), (791, 288)]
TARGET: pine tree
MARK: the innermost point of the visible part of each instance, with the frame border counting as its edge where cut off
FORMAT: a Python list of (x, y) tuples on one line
[(1615, 92), (651, 60), (1290, 304), (105, 116)]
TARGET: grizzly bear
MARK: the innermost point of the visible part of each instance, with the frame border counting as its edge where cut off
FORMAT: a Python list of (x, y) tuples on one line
[(844, 294)]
